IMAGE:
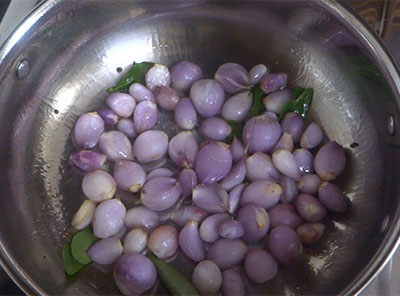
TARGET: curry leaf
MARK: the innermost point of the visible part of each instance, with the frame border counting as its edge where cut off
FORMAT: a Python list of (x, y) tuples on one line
[(257, 107), (80, 242), (71, 266), (301, 102), (135, 74), (237, 129)]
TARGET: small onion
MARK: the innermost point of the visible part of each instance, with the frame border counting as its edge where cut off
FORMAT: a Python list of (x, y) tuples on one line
[(135, 241), (284, 214), (261, 133), (238, 106), (127, 127), (262, 193), (182, 149), (150, 145), (214, 128), (141, 93), (311, 137), (207, 97), (285, 142), (108, 218), (115, 145), (211, 198), (289, 189), (188, 180), (275, 101), (129, 175), (158, 75), (255, 221), (105, 251), (122, 104), (166, 97), (286, 164), (234, 198), (186, 213), (259, 167), (237, 149), (235, 176), (213, 162), (332, 197), (330, 161), (84, 216), (260, 266), (310, 208), (88, 160), (145, 116), (309, 233), (231, 229), (160, 172), (257, 72), (309, 183), (109, 117), (184, 74), (273, 81), (98, 185), (134, 274), (163, 241), (227, 253), (233, 77), (304, 160), (142, 217), (293, 124), (190, 242), (88, 129), (285, 245), (209, 227), (207, 277), (160, 193), (185, 114), (232, 283)]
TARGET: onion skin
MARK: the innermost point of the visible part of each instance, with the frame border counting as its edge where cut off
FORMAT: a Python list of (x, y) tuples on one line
[(260, 266), (284, 214), (332, 197), (190, 242), (285, 245), (233, 77), (310, 208), (134, 274), (88, 160), (255, 221), (185, 114), (330, 161), (207, 277), (311, 137), (213, 162), (207, 97), (227, 253), (232, 283), (309, 233), (261, 133)]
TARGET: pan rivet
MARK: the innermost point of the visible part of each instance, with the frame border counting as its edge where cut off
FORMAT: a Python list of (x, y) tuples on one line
[(23, 69), (390, 125), (385, 223)]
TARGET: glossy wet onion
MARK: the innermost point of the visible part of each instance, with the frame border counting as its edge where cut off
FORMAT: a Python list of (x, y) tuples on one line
[(285, 142), (275, 101), (310, 233), (88, 129), (309, 183), (190, 242), (293, 124), (122, 104), (233, 77), (108, 218), (234, 198), (207, 97), (98, 185), (304, 160), (141, 93), (140, 216), (105, 251), (284, 214), (160, 193), (227, 253), (231, 229), (160, 172), (134, 274), (310, 208), (262, 193), (330, 161), (213, 162), (88, 160), (158, 75), (255, 221), (289, 189), (188, 180), (109, 117), (238, 106), (273, 81), (260, 266), (332, 197), (207, 277), (259, 166), (285, 245), (129, 175), (286, 164), (257, 72), (211, 198), (186, 213), (214, 128), (184, 74), (163, 241), (150, 146), (135, 241), (312, 136), (209, 227), (182, 149), (84, 216), (166, 97), (145, 116), (115, 145), (235, 176), (237, 149), (185, 114), (127, 127)]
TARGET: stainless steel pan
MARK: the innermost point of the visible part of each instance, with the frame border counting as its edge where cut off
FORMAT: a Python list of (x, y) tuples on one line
[(59, 61)]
